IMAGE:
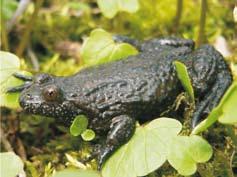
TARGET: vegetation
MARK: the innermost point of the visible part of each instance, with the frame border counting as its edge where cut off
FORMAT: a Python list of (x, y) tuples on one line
[(61, 37)]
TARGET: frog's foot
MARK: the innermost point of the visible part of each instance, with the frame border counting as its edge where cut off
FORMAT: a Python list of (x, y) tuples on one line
[(28, 81), (212, 98), (121, 130), (23, 77)]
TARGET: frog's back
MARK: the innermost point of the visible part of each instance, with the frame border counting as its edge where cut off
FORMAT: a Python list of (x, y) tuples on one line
[(136, 86)]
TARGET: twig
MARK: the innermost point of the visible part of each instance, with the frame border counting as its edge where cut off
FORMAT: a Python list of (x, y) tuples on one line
[(33, 58), (4, 41), (23, 4), (28, 30), (179, 10), (4, 140), (202, 22), (231, 161), (20, 149), (232, 134)]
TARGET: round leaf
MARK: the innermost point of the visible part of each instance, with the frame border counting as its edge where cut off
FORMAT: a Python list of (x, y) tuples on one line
[(79, 125), (108, 8), (88, 135), (100, 48), (145, 152), (9, 64), (185, 152), (111, 8), (11, 164)]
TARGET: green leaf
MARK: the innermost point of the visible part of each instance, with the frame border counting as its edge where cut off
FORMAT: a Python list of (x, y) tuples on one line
[(225, 112), (8, 8), (88, 135), (10, 100), (152, 145), (11, 164), (184, 78), (211, 119), (111, 8), (76, 173), (145, 152), (228, 106), (186, 151), (100, 48), (78, 125), (9, 64)]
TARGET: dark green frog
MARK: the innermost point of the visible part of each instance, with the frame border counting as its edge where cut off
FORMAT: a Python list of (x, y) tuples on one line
[(114, 95)]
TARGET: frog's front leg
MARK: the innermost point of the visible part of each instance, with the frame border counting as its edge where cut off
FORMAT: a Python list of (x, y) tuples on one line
[(121, 130)]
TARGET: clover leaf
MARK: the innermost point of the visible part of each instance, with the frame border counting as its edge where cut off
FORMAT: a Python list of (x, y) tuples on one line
[(152, 145), (186, 151), (100, 48), (111, 8), (88, 135), (79, 125)]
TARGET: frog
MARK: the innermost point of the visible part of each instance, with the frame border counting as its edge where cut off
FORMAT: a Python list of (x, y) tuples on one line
[(115, 95)]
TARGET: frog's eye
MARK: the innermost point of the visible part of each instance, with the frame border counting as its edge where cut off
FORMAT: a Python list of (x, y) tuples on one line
[(51, 93), (42, 78)]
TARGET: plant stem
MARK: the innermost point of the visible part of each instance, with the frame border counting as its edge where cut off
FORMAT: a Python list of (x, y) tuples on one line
[(179, 10), (4, 45), (232, 133), (23, 4), (29, 26), (4, 140), (202, 22)]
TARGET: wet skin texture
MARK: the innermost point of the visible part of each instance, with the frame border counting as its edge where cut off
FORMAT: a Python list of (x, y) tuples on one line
[(114, 95)]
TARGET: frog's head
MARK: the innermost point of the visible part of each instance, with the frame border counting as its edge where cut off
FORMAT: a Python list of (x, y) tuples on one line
[(45, 96)]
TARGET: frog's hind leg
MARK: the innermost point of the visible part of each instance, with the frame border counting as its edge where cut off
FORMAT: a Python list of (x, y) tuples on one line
[(121, 130), (210, 82), (168, 43), (211, 100)]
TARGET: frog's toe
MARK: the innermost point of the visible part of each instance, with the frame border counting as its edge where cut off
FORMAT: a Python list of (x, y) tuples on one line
[(103, 156)]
